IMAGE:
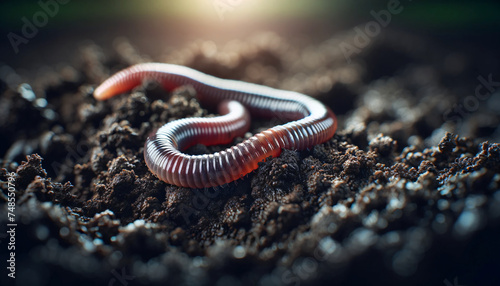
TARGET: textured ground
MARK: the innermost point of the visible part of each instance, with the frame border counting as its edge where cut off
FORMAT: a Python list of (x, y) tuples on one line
[(392, 198)]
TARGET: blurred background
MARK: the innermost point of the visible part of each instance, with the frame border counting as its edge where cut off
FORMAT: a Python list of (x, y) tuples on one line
[(156, 25)]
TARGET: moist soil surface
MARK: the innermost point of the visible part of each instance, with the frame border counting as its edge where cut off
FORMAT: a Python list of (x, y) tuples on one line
[(396, 197)]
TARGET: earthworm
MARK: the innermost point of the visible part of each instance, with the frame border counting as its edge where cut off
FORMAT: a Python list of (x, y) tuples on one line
[(311, 123)]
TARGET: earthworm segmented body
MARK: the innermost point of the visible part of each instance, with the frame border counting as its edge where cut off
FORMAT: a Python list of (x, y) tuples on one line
[(311, 123)]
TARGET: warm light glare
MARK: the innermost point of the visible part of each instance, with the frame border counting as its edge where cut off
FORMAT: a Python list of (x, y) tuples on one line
[(243, 10)]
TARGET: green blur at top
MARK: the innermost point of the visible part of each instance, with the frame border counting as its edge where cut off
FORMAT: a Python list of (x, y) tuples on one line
[(425, 14)]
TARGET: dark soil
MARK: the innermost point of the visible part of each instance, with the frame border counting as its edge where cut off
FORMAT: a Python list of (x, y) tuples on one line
[(391, 199)]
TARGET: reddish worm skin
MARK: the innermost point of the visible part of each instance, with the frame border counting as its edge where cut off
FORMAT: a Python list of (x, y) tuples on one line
[(312, 123)]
